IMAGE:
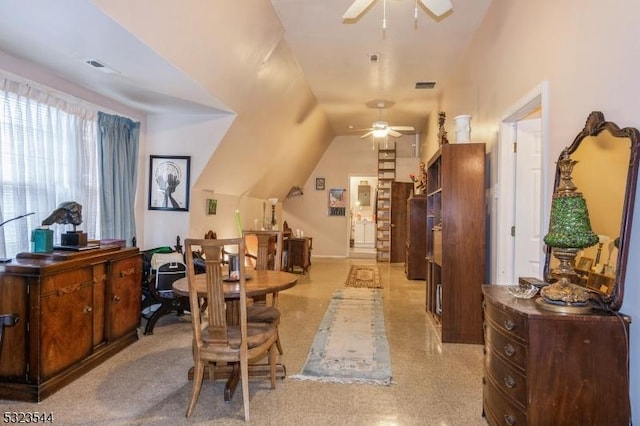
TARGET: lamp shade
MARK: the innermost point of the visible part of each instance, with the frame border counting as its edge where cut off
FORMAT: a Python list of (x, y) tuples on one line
[(569, 224)]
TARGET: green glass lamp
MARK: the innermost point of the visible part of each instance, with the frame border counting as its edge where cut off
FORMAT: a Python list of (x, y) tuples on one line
[(569, 232)]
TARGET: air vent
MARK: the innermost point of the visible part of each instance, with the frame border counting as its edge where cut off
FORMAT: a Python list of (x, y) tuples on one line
[(101, 66), (425, 84), (374, 58)]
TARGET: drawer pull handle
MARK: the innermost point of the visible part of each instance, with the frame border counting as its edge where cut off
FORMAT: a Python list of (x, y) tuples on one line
[(509, 419), (509, 349), (87, 309), (509, 324), (509, 382)]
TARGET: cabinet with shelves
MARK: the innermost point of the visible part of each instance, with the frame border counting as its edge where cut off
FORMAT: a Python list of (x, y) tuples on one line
[(455, 243)]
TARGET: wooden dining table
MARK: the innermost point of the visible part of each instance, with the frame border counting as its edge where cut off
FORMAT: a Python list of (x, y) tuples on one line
[(258, 283)]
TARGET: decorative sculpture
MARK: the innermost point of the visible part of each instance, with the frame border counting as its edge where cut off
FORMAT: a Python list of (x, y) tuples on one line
[(442, 133), (68, 212)]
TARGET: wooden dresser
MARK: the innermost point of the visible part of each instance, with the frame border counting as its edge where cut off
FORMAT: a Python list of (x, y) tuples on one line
[(546, 368), (76, 309)]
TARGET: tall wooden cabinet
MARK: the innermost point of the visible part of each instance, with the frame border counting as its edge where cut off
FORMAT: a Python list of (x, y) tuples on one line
[(400, 192), (415, 246), (455, 248), (547, 368), (76, 309)]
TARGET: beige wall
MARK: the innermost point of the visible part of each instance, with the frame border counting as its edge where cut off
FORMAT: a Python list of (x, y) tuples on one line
[(587, 52)]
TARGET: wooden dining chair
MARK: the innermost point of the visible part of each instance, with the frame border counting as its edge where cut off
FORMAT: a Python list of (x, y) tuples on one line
[(260, 310), (216, 340)]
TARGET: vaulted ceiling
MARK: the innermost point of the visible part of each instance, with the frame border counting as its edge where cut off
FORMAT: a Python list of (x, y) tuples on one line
[(333, 55)]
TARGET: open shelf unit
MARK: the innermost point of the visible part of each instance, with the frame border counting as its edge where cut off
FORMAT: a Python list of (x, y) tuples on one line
[(386, 175), (455, 249)]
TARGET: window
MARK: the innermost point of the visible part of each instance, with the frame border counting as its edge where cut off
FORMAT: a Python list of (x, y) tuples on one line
[(49, 155)]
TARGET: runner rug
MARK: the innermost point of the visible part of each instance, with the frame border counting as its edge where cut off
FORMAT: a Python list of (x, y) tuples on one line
[(351, 343), (364, 276)]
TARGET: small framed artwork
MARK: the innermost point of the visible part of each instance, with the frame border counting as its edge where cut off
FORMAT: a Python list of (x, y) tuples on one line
[(584, 263), (169, 182), (337, 202), (319, 184), (212, 206)]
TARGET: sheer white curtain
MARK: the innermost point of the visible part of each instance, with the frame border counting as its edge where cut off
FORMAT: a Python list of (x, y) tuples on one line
[(49, 154)]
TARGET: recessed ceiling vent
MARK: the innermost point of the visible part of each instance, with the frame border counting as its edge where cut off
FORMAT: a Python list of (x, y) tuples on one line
[(374, 58), (425, 85), (101, 66)]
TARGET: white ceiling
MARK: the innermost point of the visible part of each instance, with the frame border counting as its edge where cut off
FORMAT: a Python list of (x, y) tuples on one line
[(333, 55)]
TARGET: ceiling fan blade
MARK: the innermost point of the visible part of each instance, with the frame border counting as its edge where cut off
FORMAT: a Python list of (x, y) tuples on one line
[(393, 133), (437, 7), (356, 9), (366, 134), (403, 128)]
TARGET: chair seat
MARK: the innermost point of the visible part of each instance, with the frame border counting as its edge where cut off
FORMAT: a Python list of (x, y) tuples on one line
[(257, 334), (262, 313)]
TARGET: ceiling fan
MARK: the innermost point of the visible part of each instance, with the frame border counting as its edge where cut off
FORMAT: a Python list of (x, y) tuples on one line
[(437, 7), (381, 129)]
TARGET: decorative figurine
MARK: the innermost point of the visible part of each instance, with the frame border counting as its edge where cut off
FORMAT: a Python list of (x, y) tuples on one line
[(442, 133), (68, 212)]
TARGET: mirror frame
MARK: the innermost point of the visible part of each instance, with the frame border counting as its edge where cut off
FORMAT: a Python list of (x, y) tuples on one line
[(596, 124)]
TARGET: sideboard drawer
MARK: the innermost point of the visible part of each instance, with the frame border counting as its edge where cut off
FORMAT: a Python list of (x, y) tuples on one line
[(509, 323), (500, 410), (508, 379), (508, 348)]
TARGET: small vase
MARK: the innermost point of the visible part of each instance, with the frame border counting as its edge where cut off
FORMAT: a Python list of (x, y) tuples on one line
[(463, 128)]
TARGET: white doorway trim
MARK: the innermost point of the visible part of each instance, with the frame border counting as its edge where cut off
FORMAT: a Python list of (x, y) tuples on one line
[(506, 187)]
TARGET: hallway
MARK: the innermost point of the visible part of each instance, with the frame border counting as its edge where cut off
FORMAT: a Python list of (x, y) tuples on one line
[(434, 383)]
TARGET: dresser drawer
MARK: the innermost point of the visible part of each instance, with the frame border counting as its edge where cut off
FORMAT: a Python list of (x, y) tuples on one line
[(509, 323), (506, 347), (508, 379), (498, 409)]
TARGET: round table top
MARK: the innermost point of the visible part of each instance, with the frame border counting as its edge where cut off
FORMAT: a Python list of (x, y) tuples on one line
[(260, 283)]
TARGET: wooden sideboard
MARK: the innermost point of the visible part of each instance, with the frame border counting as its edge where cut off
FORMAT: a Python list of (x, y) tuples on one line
[(547, 368), (76, 308)]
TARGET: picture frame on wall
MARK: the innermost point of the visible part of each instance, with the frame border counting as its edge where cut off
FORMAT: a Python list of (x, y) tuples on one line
[(337, 202), (319, 184), (169, 182), (212, 206)]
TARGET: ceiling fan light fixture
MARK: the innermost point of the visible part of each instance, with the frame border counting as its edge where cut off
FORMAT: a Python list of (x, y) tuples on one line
[(380, 133)]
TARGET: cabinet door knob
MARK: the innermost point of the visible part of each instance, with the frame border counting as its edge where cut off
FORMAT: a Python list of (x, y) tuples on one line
[(509, 349), (509, 419), (509, 324), (116, 298), (87, 309), (509, 382)]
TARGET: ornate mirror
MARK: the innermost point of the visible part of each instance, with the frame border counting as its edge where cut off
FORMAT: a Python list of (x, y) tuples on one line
[(606, 173)]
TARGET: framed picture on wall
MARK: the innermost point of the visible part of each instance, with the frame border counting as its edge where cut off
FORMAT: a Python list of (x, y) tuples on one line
[(337, 202), (169, 182), (319, 184)]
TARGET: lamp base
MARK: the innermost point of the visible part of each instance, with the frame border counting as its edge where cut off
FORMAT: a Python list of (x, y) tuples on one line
[(563, 308)]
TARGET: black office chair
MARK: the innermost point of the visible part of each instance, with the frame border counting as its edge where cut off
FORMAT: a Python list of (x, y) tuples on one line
[(7, 320), (160, 290)]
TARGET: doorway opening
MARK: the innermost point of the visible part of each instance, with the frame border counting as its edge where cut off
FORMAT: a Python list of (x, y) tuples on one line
[(362, 224), (522, 192)]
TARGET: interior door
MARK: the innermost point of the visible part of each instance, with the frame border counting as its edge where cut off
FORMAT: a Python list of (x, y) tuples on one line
[(528, 253)]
